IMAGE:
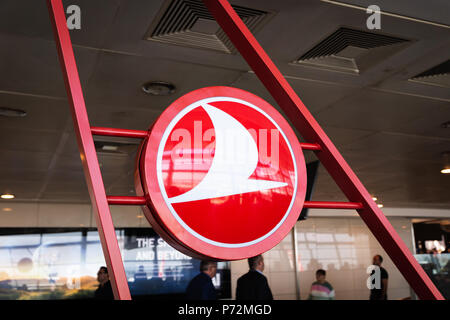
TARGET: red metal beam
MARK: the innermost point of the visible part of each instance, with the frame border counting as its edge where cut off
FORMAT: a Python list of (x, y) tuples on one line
[(100, 131), (141, 134), (329, 156), (140, 201), (332, 205), (88, 154), (127, 201), (310, 146)]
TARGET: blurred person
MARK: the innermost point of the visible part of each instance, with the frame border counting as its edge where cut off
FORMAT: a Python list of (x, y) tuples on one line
[(104, 290), (253, 285), (380, 293), (141, 274), (321, 289), (201, 286)]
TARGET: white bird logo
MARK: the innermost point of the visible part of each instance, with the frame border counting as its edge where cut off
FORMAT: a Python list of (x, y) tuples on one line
[(232, 141)]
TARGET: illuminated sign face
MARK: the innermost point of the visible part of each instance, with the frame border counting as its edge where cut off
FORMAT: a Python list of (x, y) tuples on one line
[(223, 175)]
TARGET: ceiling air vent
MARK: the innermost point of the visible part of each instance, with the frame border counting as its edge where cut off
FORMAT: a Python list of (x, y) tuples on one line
[(438, 75), (351, 51), (189, 23)]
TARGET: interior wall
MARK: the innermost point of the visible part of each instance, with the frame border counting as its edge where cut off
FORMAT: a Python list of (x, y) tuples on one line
[(344, 247), (279, 270)]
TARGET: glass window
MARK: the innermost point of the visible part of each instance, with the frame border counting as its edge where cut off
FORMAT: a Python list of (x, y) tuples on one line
[(59, 264)]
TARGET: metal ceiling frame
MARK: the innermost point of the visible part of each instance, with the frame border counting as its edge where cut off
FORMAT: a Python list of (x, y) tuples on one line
[(290, 103)]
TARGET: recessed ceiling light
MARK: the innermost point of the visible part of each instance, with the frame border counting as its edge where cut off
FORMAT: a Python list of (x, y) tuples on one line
[(374, 198), (12, 113), (140, 216), (158, 88), (380, 206), (110, 148), (445, 170), (7, 196)]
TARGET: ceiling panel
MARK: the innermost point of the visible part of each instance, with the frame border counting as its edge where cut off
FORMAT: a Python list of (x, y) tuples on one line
[(118, 80), (28, 140), (432, 10), (126, 116), (397, 146), (378, 111), (431, 124), (25, 160), (311, 92), (30, 18), (10, 174), (387, 128), (43, 114), (29, 65), (21, 189)]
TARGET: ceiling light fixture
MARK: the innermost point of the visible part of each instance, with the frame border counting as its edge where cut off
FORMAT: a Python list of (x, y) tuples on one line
[(12, 113), (380, 206), (7, 209), (374, 198), (158, 88), (7, 196), (110, 148), (445, 171)]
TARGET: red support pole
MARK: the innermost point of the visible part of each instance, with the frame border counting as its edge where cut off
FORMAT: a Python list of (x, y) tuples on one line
[(88, 154), (332, 205), (310, 146), (139, 134), (329, 156)]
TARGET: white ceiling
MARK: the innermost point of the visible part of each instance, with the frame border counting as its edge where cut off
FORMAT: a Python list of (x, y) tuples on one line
[(387, 128)]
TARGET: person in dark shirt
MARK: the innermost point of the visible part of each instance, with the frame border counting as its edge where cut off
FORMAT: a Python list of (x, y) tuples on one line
[(253, 285), (104, 290), (141, 275), (201, 286), (380, 293)]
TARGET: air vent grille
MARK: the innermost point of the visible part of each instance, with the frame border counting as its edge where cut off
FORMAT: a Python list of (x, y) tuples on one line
[(351, 51), (438, 75), (443, 68), (344, 37), (189, 23)]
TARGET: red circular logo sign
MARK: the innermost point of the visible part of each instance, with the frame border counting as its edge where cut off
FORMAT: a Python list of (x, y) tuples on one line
[(223, 174)]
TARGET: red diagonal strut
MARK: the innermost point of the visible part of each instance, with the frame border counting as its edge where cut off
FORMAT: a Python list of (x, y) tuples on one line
[(332, 160), (88, 154)]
